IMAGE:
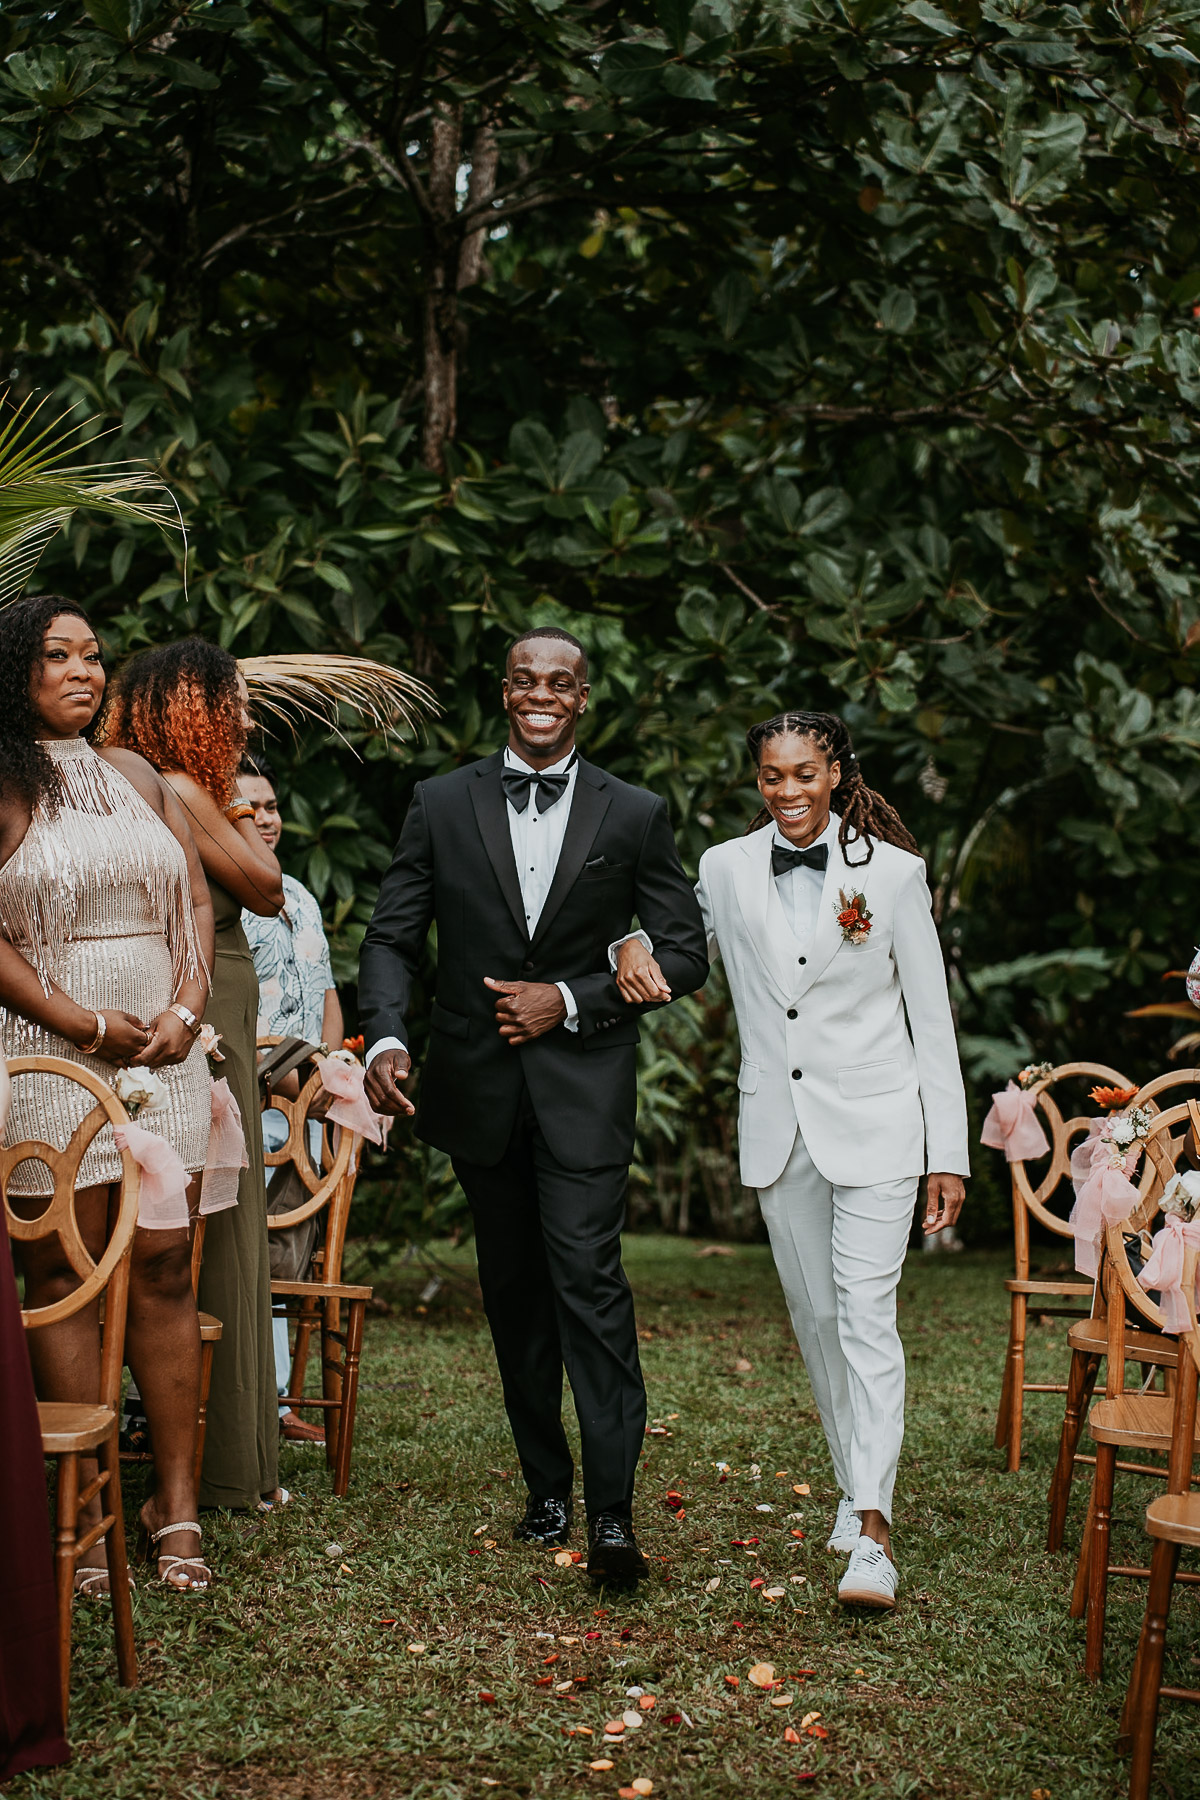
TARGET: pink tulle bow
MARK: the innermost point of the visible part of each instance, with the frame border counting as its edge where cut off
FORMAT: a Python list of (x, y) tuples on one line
[(163, 1202), (350, 1107), (1013, 1125), (1164, 1272), (1103, 1195), (227, 1155)]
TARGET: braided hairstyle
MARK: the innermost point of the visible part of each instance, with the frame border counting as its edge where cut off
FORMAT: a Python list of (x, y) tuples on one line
[(26, 771), (866, 816)]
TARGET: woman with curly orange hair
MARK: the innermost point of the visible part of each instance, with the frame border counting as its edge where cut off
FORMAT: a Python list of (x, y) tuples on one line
[(185, 709)]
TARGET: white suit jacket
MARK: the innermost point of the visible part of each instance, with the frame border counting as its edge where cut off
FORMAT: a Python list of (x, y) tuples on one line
[(823, 1036)]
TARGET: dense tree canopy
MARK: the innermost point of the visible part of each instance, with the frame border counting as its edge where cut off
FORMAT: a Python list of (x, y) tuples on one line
[(838, 354)]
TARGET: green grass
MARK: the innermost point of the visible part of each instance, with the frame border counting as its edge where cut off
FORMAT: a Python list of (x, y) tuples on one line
[(293, 1677)]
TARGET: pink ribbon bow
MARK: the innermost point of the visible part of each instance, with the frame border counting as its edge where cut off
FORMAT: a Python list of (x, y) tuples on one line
[(163, 1201), (1013, 1125), (227, 1155), (1164, 1272), (1104, 1195), (351, 1108)]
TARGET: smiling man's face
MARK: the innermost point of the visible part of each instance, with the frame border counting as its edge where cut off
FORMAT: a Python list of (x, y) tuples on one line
[(545, 692)]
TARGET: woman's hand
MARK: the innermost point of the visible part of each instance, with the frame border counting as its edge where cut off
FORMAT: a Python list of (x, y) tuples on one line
[(170, 1040), (125, 1037), (639, 978), (944, 1196)]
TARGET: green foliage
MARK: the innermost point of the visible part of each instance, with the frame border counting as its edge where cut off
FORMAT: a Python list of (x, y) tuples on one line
[(790, 353)]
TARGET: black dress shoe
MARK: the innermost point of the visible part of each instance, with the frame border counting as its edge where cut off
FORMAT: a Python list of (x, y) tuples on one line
[(546, 1521), (613, 1553)]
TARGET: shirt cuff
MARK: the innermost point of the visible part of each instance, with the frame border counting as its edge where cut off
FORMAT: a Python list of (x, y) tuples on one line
[(572, 1019), (641, 937), (382, 1044)]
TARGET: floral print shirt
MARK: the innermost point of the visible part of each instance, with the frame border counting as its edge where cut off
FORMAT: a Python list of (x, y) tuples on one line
[(291, 960)]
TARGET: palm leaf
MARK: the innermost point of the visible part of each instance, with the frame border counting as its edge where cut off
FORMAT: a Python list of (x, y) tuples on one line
[(317, 687), (1164, 1009), (39, 493)]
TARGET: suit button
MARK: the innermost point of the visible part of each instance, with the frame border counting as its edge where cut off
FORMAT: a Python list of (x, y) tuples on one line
[(803, 959), (527, 968), (795, 1074), (791, 1012)]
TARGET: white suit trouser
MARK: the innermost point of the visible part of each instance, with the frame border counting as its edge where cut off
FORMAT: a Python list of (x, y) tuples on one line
[(839, 1252)]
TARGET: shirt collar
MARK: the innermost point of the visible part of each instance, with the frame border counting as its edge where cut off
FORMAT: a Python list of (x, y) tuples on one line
[(513, 761)]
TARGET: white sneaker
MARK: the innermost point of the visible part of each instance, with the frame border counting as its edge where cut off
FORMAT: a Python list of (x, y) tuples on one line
[(871, 1579), (847, 1529)]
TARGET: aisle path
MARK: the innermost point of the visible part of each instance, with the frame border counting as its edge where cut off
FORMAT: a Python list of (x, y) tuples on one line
[(298, 1677)]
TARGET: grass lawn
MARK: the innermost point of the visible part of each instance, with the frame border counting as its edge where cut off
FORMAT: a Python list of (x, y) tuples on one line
[(296, 1675)]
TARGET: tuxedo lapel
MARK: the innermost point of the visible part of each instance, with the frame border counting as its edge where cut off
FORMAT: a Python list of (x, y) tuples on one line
[(754, 885), (491, 816), (589, 803), (827, 933)]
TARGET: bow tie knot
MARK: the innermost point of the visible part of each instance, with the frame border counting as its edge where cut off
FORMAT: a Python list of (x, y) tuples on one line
[(518, 784), (817, 857)]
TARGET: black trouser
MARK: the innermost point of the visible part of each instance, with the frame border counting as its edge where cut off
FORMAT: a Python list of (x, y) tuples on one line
[(548, 1241)]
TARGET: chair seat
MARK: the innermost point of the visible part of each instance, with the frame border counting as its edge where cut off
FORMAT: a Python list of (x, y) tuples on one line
[(1063, 1287), (210, 1329), (1142, 1421), (1091, 1335), (329, 1290), (73, 1425), (1175, 1517)]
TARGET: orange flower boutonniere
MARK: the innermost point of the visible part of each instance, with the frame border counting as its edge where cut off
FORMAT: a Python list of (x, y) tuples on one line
[(853, 917)]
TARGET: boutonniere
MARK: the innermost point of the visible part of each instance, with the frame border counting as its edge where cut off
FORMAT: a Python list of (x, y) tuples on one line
[(854, 917)]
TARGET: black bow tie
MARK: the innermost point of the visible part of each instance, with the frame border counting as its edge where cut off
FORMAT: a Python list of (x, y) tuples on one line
[(782, 860), (550, 788)]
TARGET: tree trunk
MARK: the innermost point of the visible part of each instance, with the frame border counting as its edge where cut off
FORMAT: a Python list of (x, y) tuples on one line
[(441, 284)]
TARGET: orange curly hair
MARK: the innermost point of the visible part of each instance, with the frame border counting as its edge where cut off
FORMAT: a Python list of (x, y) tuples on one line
[(179, 707)]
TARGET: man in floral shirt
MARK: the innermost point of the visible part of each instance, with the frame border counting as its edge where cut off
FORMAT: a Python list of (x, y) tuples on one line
[(296, 998)]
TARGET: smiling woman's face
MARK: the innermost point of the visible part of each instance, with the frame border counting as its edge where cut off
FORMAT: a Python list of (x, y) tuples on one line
[(797, 783), (67, 685)]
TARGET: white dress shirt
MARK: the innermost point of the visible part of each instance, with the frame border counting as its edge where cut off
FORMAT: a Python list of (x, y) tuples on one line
[(537, 841), (799, 889)]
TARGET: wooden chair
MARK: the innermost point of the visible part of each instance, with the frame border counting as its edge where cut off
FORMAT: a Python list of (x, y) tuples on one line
[(1173, 1522), (1088, 1339), (319, 1299), (1026, 1289), (71, 1430), (1131, 1421)]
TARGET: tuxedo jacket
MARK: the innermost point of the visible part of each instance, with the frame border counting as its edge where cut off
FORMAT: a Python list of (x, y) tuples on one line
[(454, 868), (824, 1041)]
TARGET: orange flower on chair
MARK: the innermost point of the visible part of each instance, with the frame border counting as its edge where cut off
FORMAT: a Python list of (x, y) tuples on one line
[(1112, 1096)]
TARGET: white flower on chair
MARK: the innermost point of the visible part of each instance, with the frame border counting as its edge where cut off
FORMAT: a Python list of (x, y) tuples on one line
[(1181, 1196), (140, 1090)]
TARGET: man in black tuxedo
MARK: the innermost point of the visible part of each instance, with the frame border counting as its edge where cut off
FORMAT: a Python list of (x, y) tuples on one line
[(532, 864)]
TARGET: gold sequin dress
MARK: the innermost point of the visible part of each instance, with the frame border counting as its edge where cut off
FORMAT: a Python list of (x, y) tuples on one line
[(96, 898)]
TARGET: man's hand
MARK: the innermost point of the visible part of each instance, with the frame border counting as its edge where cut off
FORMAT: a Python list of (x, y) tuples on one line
[(944, 1196), (526, 1009), (384, 1076)]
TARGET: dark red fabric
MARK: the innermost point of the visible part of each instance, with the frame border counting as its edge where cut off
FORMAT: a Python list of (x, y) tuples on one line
[(31, 1728)]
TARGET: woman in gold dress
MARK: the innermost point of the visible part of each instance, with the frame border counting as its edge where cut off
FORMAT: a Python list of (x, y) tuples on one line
[(184, 708), (106, 938)]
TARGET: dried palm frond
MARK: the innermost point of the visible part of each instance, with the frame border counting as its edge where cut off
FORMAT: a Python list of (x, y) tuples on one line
[(38, 495), (316, 687)]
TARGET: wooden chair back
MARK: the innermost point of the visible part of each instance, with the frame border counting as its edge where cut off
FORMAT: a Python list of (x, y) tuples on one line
[(1033, 1198), (110, 1275), (331, 1185)]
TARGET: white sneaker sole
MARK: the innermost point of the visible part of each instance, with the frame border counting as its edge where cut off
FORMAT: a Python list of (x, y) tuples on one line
[(868, 1596)]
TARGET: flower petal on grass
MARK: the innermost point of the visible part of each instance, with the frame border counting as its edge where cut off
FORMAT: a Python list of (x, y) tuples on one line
[(801, 1487), (601, 1763), (762, 1675), (632, 1720)]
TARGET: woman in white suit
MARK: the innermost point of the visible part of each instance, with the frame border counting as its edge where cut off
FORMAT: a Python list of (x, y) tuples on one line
[(823, 922)]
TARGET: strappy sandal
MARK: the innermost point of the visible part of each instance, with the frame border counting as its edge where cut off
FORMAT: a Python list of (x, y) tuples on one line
[(167, 1565), (87, 1574)]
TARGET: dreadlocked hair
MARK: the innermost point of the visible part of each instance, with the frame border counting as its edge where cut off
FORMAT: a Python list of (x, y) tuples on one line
[(179, 707), (866, 816), (26, 772)]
